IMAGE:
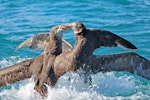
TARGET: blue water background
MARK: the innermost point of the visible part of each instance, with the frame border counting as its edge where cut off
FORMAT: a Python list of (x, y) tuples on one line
[(21, 19)]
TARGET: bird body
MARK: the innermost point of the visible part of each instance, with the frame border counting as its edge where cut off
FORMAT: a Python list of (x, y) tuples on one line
[(52, 49), (87, 40)]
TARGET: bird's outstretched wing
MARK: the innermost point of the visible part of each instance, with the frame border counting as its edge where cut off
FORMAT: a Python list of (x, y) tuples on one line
[(39, 41), (130, 62), (15, 72), (109, 39)]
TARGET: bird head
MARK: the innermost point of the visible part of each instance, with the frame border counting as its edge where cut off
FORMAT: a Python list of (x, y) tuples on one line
[(58, 31), (77, 27)]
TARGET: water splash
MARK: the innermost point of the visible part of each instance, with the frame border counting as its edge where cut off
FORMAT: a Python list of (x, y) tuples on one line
[(110, 85)]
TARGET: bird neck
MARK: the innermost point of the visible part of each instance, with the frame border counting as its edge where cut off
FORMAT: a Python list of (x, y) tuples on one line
[(81, 51), (55, 45)]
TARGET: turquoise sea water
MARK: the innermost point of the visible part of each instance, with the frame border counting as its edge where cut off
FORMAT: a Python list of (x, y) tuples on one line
[(21, 19)]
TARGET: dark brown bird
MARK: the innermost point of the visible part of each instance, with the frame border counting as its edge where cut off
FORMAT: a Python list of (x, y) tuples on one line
[(40, 67), (52, 49), (87, 40)]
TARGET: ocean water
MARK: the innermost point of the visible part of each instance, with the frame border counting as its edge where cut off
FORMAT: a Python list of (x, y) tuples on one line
[(21, 19)]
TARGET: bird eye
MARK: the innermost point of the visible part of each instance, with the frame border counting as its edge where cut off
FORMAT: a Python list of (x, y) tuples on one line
[(63, 27)]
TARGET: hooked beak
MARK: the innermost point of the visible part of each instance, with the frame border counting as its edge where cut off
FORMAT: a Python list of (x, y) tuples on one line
[(67, 26)]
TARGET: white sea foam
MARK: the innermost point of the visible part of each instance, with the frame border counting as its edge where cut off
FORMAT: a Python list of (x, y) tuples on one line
[(110, 85)]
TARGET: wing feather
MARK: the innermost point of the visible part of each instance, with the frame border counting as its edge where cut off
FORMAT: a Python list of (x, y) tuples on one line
[(110, 39), (129, 62), (39, 41)]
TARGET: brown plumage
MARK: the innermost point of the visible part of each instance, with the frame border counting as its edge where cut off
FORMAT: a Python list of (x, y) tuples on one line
[(52, 49), (16, 72), (129, 62), (87, 40), (39, 67)]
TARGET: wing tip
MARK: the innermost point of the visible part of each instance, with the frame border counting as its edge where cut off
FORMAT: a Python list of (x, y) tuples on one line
[(126, 44), (134, 47), (19, 46)]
